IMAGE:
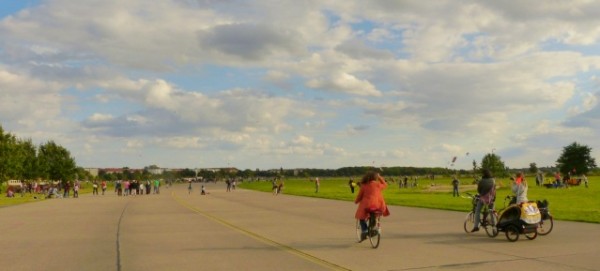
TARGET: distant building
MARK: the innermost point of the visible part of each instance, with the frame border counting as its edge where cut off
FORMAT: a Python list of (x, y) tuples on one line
[(156, 171)]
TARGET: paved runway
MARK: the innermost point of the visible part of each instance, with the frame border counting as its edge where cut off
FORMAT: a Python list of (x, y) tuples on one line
[(247, 230)]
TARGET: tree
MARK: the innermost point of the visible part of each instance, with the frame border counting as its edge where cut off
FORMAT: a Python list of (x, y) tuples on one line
[(8, 156), (576, 158), (533, 168), (494, 163), (56, 162), (83, 174)]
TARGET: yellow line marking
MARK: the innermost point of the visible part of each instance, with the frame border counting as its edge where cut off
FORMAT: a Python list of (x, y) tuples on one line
[(261, 238)]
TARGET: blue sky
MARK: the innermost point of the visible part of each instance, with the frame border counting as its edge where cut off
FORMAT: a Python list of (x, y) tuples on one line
[(293, 84)]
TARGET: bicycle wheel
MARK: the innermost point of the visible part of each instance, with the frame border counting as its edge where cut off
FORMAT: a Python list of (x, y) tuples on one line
[(374, 236), (490, 228), (358, 231), (374, 240), (546, 226), (512, 233), (469, 222), (531, 235)]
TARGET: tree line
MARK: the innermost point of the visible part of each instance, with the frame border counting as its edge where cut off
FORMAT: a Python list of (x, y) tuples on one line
[(21, 160)]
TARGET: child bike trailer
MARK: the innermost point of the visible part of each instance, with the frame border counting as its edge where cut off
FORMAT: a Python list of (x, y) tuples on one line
[(519, 219)]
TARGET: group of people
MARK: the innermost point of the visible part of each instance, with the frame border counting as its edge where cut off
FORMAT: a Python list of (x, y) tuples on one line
[(370, 196), (95, 186), (48, 190), (134, 187), (53, 190), (231, 183), (566, 180)]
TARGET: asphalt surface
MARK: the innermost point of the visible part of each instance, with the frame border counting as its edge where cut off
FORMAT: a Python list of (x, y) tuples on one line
[(247, 230)]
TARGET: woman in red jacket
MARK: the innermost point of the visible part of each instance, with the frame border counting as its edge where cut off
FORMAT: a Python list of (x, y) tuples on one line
[(370, 197)]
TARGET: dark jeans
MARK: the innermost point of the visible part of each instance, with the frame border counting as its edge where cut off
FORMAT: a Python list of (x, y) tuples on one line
[(363, 225)]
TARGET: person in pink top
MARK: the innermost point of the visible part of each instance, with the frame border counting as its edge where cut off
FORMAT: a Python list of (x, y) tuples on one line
[(126, 187), (370, 197)]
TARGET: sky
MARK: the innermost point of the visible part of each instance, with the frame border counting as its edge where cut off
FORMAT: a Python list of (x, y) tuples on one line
[(302, 84)]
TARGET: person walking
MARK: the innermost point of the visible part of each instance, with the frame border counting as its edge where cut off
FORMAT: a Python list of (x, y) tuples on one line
[(103, 185), (95, 188), (119, 188), (317, 184), (156, 186), (352, 185), (455, 183), (133, 188), (274, 183), (76, 189), (190, 187), (141, 187), (539, 178), (279, 187), (126, 185), (66, 188)]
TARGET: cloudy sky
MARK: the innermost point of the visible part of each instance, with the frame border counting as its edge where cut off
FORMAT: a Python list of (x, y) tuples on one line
[(319, 84)]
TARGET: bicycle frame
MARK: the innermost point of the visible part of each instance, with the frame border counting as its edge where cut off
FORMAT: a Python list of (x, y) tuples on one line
[(489, 217)]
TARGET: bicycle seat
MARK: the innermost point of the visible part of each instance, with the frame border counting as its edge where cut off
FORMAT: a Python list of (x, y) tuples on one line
[(374, 210)]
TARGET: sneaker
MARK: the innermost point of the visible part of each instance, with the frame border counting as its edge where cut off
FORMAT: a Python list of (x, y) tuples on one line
[(475, 229)]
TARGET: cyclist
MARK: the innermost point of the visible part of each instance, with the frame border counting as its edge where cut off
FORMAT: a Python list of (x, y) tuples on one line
[(486, 188), (370, 197)]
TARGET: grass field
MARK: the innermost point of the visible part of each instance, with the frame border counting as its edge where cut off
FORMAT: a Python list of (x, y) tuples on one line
[(575, 203)]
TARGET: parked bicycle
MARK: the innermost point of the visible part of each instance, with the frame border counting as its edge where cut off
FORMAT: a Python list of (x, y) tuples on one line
[(489, 217), (373, 226)]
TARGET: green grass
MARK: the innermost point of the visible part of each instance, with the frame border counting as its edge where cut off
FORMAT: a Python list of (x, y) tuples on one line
[(576, 203)]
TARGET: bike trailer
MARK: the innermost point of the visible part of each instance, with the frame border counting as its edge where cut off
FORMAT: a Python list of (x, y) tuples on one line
[(530, 213)]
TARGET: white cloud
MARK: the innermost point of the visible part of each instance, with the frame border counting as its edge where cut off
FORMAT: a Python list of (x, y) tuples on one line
[(345, 83), (98, 117), (300, 80)]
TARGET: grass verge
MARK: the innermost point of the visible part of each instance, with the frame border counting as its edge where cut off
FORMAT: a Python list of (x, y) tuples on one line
[(576, 203)]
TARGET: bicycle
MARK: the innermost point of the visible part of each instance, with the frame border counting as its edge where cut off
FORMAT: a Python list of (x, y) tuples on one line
[(545, 228), (373, 228), (489, 218)]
